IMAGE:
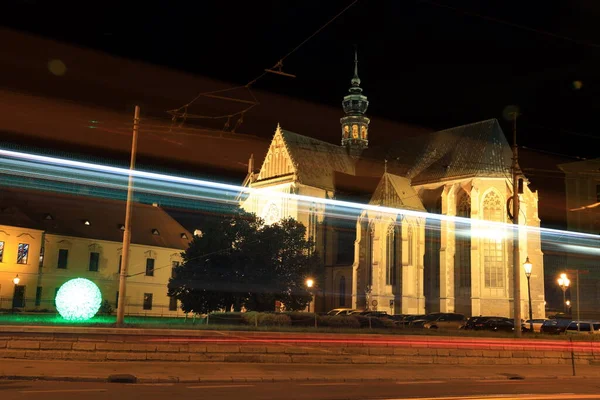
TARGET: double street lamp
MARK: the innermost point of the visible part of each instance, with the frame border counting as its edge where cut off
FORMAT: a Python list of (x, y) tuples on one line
[(528, 268), (564, 283)]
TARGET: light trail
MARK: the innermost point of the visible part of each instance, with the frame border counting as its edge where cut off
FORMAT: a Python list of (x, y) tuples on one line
[(499, 344), (78, 172)]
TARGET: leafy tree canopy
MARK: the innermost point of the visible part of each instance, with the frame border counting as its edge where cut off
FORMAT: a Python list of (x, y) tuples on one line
[(240, 261)]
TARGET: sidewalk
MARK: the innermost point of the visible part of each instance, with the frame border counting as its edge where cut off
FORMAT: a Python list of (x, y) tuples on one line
[(157, 372)]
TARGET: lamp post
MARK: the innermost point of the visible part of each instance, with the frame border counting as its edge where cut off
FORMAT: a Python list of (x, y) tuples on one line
[(16, 281), (309, 284), (528, 267), (564, 283)]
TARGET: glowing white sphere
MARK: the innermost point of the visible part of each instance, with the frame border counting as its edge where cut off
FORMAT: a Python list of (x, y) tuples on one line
[(78, 299)]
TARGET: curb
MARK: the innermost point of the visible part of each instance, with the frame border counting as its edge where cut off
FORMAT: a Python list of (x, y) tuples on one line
[(133, 379)]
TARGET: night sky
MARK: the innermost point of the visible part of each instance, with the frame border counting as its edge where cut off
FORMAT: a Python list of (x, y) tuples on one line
[(433, 63)]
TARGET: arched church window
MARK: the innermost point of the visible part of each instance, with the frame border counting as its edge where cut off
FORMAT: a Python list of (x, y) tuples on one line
[(493, 242), (463, 241), (394, 253), (370, 253)]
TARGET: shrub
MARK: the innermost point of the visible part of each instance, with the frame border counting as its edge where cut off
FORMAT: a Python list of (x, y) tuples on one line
[(338, 321), (268, 319), (374, 323), (250, 317), (301, 318), (221, 318), (105, 308)]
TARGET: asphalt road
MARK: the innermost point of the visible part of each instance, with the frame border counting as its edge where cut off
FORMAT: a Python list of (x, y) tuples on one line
[(568, 389)]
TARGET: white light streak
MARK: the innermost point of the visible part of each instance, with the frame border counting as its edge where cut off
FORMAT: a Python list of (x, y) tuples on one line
[(97, 174)]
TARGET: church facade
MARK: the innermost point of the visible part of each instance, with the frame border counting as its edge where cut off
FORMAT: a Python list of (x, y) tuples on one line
[(432, 237)]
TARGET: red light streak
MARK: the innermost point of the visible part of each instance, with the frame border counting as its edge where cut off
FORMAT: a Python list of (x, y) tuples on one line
[(458, 343)]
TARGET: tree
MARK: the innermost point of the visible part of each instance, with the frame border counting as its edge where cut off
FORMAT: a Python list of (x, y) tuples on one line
[(240, 261)]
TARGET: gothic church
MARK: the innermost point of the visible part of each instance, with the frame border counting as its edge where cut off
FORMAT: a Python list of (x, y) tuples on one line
[(415, 263)]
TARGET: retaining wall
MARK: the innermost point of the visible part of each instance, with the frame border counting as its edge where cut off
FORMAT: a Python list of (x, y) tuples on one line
[(102, 344)]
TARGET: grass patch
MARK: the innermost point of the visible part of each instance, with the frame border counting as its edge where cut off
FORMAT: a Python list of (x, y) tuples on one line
[(218, 324)]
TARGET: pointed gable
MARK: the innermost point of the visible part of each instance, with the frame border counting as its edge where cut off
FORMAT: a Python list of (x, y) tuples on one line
[(396, 191), (277, 162), (313, 161)]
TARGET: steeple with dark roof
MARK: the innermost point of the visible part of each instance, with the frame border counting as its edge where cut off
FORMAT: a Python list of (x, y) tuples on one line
[(355, 125)]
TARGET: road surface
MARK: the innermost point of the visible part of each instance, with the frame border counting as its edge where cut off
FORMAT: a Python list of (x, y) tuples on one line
[(551, 389)]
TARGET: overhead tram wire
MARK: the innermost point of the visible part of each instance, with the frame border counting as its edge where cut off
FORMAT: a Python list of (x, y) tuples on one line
[(183, 114), (512, 24)]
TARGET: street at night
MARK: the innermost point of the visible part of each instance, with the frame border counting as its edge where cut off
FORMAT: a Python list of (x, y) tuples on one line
[(562, 389)]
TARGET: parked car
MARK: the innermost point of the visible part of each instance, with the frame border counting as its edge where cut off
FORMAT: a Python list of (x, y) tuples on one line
[(555, 326), (499, 324), (440, 321), (583, 327), (477, 323), (537, 324), (341, 311)]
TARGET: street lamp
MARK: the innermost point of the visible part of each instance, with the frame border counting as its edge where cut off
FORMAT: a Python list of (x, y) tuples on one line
[(528, 267), (309, 284), (16, 281), (564, 282), (568, 303)]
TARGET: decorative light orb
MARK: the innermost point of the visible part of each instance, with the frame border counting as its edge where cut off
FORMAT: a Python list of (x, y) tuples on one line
[(78, 300)]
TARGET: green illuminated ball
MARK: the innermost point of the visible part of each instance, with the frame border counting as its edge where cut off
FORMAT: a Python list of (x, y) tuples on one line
[(78, 299)]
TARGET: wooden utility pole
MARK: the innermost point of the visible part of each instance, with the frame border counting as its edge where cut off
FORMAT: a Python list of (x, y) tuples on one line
[(515, 212), (127, 233)]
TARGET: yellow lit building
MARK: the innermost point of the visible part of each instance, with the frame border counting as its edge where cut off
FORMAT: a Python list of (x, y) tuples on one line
[(49, 238)]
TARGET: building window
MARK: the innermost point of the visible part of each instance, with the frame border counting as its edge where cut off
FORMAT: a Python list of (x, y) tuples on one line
[(63, 255), (149, 266), (117, 300), (172, 303), (23, 253), (370, 254), (38, 296), (345, 246), (94, 261), (312, 223), (120, 260), (391, 250), (147, 301), (462, 256), (342, 293), (493, 243), (1, 251), (598, 192)]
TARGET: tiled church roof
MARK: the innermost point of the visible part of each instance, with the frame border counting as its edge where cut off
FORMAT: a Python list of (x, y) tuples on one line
[(477, 149), (65, 214), (316, 161)]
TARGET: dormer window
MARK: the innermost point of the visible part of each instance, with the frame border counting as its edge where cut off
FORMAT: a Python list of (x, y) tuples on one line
[(184, 236), (86, 222), (48, 217), (122, 227), (155, 232)]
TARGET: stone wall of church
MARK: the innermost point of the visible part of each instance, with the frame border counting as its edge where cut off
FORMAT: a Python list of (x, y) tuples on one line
[(475, 274)]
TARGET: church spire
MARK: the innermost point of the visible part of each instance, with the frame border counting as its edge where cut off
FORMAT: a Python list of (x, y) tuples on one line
[(355, 79), (355, 125)]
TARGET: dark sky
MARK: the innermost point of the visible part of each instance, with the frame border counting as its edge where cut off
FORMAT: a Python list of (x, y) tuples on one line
[(434, 63)]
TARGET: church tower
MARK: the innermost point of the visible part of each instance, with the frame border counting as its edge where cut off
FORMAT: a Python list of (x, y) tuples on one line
[(355, 125)]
